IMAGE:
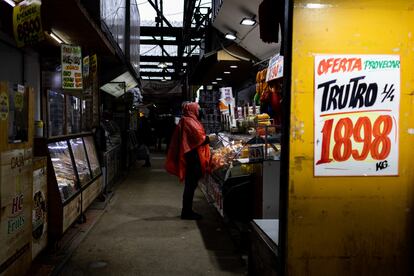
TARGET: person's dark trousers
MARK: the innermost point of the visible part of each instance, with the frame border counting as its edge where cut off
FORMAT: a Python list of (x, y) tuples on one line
[(190, 186), (192, 175)]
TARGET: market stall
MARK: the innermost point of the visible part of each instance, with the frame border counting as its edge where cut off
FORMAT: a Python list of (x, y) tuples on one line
[(16, 177), (244, 168), (74, 178)]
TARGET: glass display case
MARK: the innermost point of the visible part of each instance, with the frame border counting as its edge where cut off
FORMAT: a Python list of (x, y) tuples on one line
[(238, 171), (235, 155), (92, 155), (56, 113), (70, 175), (73, 114), (81, 160), (63, 167)]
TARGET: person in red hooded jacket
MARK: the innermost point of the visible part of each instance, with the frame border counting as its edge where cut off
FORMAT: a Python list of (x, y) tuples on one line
[(189, 155)]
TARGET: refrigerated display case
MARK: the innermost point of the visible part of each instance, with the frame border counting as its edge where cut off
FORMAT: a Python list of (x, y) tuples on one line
[(93, 155), (242, 184), (81, 160), (63, 170), (74, 178)]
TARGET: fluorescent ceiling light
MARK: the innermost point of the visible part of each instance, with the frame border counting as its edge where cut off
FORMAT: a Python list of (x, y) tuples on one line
[(55, 37), (233, 66), (248, 21), (10, 2), (230, 36), (219, 79), (227, 72), (213, 82)]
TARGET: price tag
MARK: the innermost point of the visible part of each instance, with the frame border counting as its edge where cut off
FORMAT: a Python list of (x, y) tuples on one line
[(356, 115), (256, 153)]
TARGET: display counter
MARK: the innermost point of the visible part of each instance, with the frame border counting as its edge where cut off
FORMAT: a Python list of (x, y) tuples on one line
[(244, 180), (74, 178), (263, 251)]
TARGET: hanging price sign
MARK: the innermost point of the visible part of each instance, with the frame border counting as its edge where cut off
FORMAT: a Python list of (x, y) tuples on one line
[(356, 115), (27, 24), (71, 56)]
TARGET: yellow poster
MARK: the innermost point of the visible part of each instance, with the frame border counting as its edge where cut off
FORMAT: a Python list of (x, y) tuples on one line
[(27, 25), (93, 64), (4, 105)]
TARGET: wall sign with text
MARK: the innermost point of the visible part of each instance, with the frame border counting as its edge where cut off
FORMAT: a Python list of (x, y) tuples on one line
[(357, 100)]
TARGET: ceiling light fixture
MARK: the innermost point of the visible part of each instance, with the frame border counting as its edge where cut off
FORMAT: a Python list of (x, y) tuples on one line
[(316, 6), (233, 66), (219, 79), (55, 37), (231, 36), (213, 82), (227, 72), (10, 2), (248, 21)]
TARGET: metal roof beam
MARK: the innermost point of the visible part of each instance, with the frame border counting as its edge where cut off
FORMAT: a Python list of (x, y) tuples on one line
[(164, 42), (158, 74), (159, 13), (166, 31), (166, 59)]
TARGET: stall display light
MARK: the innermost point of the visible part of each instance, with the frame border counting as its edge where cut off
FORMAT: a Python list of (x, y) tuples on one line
[(233, 66), (213, 82), (10, 2), (219, 79), (231, 36), (227, 72), (248, 21)]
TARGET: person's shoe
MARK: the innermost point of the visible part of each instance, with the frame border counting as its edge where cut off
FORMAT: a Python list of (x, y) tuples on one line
[(191, 216)]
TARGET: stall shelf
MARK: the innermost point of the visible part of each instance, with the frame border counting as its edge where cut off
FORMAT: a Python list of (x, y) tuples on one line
[(74, 178)]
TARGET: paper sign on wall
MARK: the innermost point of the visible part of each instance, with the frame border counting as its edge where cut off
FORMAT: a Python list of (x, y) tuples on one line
[(356, 115), (71, 67)]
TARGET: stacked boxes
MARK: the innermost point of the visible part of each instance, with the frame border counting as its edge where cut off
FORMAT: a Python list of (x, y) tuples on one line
[(208, 101)]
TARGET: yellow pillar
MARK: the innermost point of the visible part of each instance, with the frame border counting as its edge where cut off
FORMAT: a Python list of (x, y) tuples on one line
[(349, 225)]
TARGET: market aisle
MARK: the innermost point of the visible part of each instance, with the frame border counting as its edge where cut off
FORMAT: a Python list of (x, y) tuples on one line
[(141, 233)]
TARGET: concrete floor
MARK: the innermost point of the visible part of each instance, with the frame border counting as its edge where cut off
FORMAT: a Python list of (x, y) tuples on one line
[(141, 233)]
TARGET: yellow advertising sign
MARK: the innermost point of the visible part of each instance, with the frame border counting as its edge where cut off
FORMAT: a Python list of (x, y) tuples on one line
[(27, 25), (4, 105)]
